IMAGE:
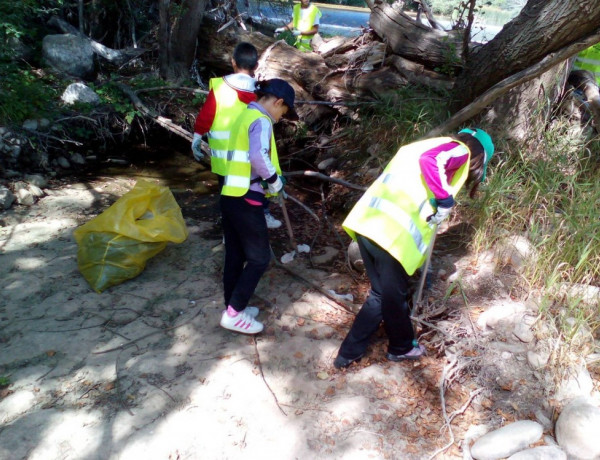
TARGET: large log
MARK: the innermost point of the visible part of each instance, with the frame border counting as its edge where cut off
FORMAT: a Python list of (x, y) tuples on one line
[(350, 69), (416, 42)]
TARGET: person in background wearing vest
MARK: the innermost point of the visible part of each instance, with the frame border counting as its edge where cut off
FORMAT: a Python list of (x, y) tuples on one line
[(227, 98), (589, 59), (252, 159), (585, 78), (393, 224), (304, 24)]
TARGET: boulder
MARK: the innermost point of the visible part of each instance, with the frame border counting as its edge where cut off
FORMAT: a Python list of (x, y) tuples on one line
[(507, 440), (69, 54), (6, 198), (79, 92), (578, 429)]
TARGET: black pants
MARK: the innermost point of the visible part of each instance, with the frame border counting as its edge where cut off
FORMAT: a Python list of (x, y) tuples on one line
[(247, 250), (387, 302)]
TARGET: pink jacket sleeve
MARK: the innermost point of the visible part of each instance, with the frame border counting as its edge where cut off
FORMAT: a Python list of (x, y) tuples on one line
[(439, 164)]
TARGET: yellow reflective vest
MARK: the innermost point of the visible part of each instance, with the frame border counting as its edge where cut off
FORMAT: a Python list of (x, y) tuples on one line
[(394, 209), (304, 24), (589, 59), (238, 170), (229, 107)]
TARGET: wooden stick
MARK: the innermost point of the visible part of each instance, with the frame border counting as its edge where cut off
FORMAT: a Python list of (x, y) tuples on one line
[(262, 374), (286, 218)]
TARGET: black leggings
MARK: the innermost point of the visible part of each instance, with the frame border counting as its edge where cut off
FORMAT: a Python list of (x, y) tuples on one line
[(387, 302), (247, 249)]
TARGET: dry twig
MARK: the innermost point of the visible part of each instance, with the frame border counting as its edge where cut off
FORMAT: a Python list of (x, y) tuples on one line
[(262, 374)]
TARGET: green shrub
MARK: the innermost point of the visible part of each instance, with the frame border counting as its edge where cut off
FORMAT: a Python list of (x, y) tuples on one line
[(24, 94)]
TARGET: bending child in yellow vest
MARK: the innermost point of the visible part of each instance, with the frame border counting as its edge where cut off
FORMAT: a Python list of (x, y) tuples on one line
[(227, 98), (251, 159), (393, 224), (304, 24)]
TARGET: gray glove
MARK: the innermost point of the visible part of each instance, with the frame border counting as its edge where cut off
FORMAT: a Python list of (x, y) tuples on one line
[(275, 187), (440, 216), (296, 32), (279, 30), (196, 147)]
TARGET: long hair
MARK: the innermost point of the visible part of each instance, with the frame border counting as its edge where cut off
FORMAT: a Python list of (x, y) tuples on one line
[(476, 163)]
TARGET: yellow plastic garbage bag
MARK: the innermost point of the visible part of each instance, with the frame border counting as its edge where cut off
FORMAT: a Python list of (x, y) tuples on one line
[(115, 246)]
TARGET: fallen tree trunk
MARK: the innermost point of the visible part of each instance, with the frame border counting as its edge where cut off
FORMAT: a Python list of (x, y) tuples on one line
[(353, 70), (416, 42)]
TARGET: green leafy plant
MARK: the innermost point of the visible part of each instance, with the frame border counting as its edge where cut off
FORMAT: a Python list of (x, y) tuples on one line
[(24, 94)]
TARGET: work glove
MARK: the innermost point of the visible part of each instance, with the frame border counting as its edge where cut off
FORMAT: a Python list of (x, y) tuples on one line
[(275, 187), (296, 32), (196, 147), (279, 30), (440, 216)]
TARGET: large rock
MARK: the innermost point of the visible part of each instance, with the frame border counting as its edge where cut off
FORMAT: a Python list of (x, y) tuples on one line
[(6, 198), (78, 92), (507, 440), (69, 54), (540, 453), (578, 429)]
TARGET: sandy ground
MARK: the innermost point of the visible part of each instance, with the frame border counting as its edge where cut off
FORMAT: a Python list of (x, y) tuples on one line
[(144, 370)]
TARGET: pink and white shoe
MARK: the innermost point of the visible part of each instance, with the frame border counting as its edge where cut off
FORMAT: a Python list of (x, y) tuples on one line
[(242, 322)]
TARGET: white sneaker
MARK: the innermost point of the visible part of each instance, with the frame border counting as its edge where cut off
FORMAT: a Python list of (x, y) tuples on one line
[(271, 221), (243, 323)]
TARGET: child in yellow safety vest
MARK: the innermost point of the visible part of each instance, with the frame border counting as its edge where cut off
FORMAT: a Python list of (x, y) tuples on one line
[(393, 224), (227, 98), (252, 159)]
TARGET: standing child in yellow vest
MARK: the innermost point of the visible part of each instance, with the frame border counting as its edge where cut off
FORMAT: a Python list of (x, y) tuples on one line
[(393, 223), (227, 98), (252, 158), (304, 24)]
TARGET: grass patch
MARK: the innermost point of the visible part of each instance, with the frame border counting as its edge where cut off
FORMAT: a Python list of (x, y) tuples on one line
[(550, 195), (399, 119)]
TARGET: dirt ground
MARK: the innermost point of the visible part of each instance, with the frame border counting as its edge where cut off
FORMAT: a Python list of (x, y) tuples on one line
[(143, 370)]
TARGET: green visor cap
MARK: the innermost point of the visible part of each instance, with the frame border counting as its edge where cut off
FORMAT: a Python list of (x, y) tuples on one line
[(486, 142)]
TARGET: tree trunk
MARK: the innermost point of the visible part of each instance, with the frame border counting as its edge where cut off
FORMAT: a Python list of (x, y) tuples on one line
[(542, 27), (178, 41), (433, 48), (164, 38)]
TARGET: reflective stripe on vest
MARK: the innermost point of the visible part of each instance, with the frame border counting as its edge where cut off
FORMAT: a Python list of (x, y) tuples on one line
[(229, 107), (393, 211), (307, 23), (238, 169), (589, 59)]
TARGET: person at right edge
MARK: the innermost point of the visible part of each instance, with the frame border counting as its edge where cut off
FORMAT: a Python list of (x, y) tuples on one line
[(251, 162), (393, 224)]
